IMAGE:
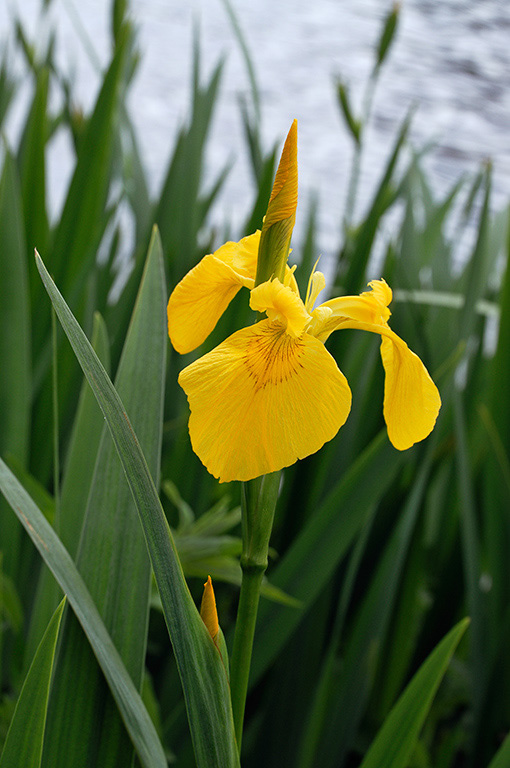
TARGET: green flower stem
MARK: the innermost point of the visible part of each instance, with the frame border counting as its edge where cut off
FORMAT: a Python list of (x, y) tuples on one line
[(258, 504)]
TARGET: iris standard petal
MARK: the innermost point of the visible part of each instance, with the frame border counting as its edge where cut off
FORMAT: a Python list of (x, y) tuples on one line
[(281, 304), (369, 307), (261, 400), (201, 297)]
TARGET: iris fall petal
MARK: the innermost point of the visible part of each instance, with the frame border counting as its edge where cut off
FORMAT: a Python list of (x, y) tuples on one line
[(261, 400), (411, 399)]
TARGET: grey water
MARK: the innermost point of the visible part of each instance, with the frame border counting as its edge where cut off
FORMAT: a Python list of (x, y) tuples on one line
[(450, 59)]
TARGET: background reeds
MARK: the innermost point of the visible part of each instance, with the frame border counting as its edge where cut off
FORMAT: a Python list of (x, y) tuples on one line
[(376, 555)]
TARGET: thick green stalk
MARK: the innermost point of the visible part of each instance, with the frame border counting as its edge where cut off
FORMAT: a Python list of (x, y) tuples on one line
[(260, 494), (259, 503)]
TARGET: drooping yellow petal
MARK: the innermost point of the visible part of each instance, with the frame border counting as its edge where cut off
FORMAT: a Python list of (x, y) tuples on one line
[(208, 610), (369, 307), (411, 399), (201, 297), (261, 400), (281, 304)]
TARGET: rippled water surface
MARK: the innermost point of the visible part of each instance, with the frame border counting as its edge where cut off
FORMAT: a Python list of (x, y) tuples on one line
[(451, 58)]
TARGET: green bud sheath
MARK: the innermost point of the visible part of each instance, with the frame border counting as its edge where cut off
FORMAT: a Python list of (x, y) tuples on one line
[(280, 216)]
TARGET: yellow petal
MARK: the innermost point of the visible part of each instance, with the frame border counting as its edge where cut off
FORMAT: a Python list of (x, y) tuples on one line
[(281, 304), (261, 400), (208, 610), (369, 307), (411, 399), (202, 296)]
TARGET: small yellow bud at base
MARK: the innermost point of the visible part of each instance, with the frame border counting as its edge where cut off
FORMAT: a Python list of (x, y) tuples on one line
[(208, 609)]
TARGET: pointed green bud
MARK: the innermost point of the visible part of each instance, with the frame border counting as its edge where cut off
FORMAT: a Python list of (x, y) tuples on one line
[(280, 216)]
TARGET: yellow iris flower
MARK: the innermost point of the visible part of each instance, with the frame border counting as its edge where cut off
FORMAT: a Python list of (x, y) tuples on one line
[(271, 393)]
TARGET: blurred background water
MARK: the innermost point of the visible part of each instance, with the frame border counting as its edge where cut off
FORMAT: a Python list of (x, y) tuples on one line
[(451, 59)]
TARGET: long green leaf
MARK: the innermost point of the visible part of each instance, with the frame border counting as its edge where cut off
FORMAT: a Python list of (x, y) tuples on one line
[(32, 169), (79, 467), (24, 742), (359, 248), (396, 739), (112, 557), (202, 674), (180, 214), (354, 683), (58, 560), (81, 223), (14, 347), (321, 545)]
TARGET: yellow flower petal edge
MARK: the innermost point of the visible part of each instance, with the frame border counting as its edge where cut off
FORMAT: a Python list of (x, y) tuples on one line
[(261, 400), (411, 399), (200, 298), (208, 610)]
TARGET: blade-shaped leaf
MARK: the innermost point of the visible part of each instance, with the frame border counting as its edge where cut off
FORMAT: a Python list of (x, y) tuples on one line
[(31, 160), (202, 674), (323, 542), (112, 556), (24, 742), (396, 739), (14, 346), (58, 560), (81, 223), (354, 684), (81, 456)]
